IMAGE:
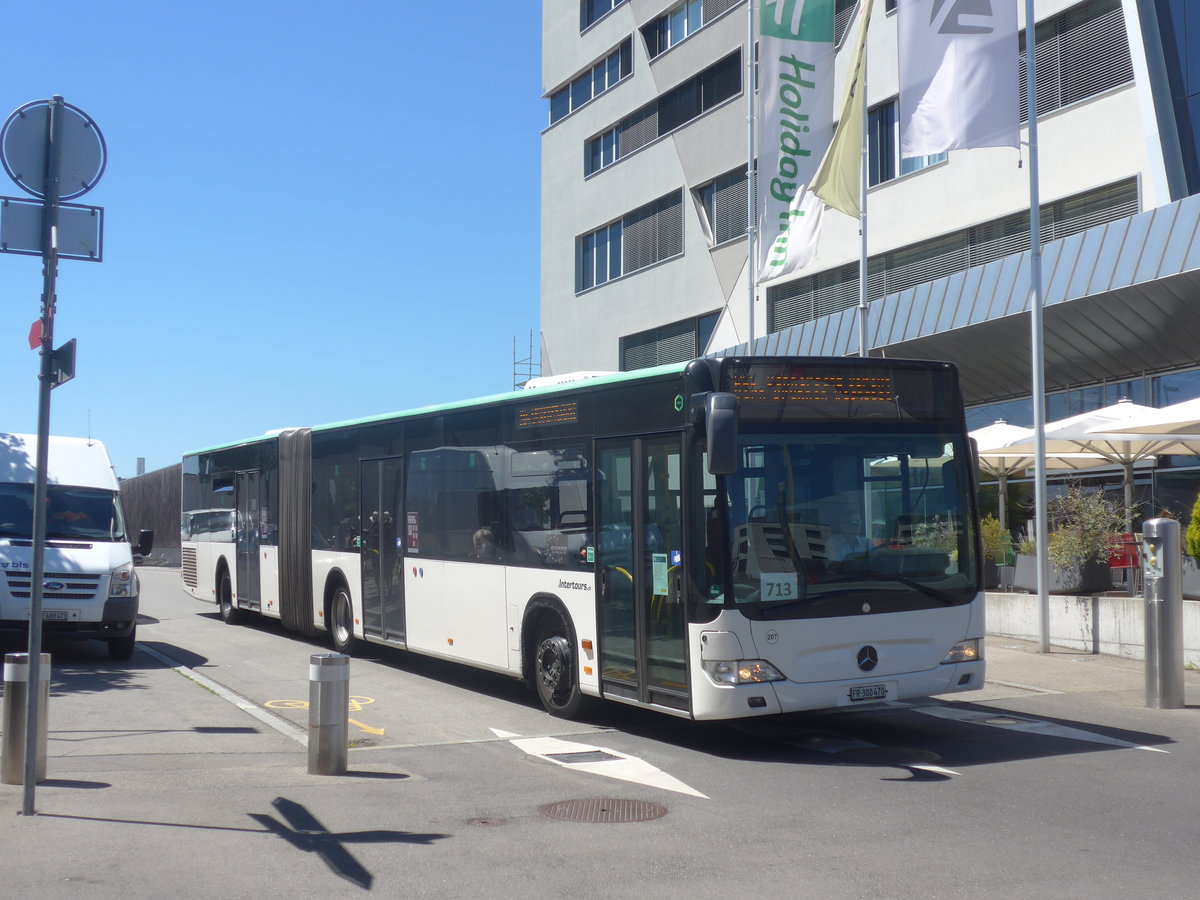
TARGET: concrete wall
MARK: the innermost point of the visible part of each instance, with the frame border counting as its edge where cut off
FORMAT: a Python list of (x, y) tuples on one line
[(1109, 624)]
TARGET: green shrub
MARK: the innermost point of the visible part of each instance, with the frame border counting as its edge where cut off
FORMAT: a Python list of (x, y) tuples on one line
[(995, 539), (1084, 524), (1191, 541)]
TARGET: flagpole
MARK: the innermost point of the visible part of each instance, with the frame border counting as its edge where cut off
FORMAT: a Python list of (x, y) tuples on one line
[(751, 172), (862, 214), (1037, 358)]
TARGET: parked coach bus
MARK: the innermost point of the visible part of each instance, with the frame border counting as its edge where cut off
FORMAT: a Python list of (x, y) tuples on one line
[(721, 538)]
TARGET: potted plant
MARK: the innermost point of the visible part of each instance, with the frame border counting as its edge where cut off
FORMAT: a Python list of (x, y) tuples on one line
[(996, 545), (1084, 523)]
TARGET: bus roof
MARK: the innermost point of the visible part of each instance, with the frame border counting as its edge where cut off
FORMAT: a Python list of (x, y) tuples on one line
[(511, 396)]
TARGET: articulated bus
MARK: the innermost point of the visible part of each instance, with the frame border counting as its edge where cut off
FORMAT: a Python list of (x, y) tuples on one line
[(723, 538)]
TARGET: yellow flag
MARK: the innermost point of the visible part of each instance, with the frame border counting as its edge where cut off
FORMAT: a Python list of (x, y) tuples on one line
[(839, 177)]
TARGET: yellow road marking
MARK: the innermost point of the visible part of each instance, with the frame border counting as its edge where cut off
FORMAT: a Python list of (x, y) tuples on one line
[(356, 705)]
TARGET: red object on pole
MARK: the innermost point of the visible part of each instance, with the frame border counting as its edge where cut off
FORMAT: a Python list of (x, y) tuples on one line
[(35, 335)]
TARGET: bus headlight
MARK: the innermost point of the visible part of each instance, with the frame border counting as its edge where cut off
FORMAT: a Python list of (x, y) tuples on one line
[(123, 582), (963, 651), (741, 671)]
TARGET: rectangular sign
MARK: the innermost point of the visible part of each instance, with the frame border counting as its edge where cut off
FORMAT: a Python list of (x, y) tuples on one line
[(80, 229)]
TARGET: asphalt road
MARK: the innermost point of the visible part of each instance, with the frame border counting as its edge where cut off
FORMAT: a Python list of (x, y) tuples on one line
[(183, 773)]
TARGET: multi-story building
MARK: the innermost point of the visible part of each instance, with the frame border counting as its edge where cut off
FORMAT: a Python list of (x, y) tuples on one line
[(644, 208)]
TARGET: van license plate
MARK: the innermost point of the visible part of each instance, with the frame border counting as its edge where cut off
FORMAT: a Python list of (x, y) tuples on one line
[(56, 615), (868, 692)]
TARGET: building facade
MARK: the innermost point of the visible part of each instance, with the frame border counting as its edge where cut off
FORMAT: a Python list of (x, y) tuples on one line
[(644, 207)]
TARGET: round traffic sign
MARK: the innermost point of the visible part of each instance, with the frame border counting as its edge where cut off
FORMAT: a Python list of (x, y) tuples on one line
[(24, 139)]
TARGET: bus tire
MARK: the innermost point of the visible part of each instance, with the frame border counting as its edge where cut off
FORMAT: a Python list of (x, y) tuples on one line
[(230, 614), (340, 619), (121, 649), (554, 673)]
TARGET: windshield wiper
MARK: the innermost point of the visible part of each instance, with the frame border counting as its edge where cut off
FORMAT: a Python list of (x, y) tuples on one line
[(946, 598), (818, 599)]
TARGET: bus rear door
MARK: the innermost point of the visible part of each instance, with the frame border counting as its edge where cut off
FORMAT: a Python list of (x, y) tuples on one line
[(382, 503), (249, 509)]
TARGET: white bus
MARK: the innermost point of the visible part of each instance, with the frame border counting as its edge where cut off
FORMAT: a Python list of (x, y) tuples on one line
[(721, 538)]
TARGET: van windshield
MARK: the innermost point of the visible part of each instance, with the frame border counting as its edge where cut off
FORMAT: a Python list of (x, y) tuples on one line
[(72, 513)]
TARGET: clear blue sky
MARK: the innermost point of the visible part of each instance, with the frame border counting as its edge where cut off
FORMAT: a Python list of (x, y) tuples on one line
[(313, 212)]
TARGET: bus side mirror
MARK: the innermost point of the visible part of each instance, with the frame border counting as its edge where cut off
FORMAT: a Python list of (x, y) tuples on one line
[(720, 413)]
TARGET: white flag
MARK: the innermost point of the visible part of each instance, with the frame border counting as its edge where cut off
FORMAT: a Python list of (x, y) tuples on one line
[(958, 75), (795, 123)]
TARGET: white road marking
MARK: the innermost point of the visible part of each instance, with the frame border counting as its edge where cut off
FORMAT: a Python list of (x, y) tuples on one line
[(280, 724), (619, 765), (1000, 719)]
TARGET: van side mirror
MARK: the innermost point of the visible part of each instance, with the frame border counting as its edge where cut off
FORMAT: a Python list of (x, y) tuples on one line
[(145, 542), (720, 413)]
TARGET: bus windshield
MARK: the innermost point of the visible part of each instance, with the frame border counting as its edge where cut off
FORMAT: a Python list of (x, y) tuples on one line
[(72, 513), (862, 520)]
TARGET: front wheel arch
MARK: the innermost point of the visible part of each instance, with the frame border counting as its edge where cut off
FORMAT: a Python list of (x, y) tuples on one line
[(550, 657)]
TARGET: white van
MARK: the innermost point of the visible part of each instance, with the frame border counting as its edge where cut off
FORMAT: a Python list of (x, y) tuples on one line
[(89, 586)]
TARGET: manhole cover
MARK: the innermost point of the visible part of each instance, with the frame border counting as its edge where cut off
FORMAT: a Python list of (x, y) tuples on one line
[(603, 810), (887, 756)]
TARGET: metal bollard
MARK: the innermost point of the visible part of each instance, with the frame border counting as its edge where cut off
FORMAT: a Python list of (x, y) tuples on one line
[(328, 713), (1163, 591), (16, 706)]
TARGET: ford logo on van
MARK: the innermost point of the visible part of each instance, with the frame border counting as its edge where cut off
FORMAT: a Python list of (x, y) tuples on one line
[(53, 585)]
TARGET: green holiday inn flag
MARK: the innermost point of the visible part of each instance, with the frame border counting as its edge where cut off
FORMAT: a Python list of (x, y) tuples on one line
[(795, 124)]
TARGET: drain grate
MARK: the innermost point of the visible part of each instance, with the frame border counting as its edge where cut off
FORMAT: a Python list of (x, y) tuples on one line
[(582, 756), (887, 756), (603, 810)]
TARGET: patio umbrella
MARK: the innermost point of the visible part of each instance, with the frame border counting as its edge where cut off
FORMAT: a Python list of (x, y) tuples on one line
[(1099, 432), (994, 458), (1179, 420)]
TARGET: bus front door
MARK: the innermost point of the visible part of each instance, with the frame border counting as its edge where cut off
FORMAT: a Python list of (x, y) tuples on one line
[(247, 500), (639, 548), (381, 503)]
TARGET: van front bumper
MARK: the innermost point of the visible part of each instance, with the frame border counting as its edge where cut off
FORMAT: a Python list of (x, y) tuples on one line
[(117, 620)]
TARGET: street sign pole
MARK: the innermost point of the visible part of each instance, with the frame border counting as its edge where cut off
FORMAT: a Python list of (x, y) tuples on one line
[(45, 383)]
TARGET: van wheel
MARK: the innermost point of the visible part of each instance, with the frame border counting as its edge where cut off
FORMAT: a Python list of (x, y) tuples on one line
[(341, 621), (554, 670), (230, 614), (121, 649)]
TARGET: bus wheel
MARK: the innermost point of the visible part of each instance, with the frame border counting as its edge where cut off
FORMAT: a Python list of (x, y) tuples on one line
[(121, 649), (341, 621), (554, 671), (229, 613)]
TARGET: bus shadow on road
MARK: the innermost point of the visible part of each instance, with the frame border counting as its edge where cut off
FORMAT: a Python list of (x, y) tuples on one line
[(931, 739)]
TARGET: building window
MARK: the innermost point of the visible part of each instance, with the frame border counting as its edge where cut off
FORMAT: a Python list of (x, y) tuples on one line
[(677, 342), (883, 141), (724, 202), (681, 21), (592, 11), (672, 110), (648, 235), (598, 257), (591, 83), (1079, 53), (833, 290)]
